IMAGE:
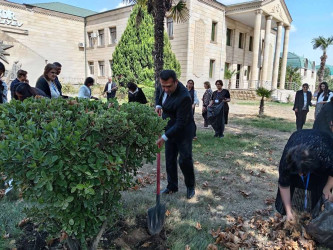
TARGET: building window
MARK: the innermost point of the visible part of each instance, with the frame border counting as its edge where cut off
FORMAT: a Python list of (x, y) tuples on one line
[(113, 35), (213, 35), (91, 68), (248, 72), (229, 32), (101, 66), (241, 40), (170, 27), (251, 43), (90, 39), (305, 72), (101, 37), (312, 74), (211, 68)]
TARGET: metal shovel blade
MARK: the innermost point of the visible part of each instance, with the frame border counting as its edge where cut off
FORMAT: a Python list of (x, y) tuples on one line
[(155, 218)]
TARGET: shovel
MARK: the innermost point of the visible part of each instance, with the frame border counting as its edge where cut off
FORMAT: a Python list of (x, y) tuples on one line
[(156, 214)]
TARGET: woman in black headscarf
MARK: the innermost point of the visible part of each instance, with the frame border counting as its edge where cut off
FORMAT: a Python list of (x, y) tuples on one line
[(324, 120), (305, 172)]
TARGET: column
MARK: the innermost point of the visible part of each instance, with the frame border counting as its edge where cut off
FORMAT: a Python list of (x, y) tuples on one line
[(266, 50), (256, 38), (277, 55), (284, 57)]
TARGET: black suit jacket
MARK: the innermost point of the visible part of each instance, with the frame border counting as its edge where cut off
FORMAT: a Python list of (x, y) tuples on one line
[(43, 85), (299, 100), (178, 108)]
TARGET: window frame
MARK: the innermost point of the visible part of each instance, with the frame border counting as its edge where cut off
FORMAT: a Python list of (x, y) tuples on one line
[(113, 40), (101, 68)]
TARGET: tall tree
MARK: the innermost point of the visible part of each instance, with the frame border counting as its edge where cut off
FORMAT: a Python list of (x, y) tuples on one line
[(158, 9), (322, 43), (132, 58)]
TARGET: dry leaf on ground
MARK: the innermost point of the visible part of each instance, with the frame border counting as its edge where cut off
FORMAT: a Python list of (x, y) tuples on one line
[(244, 193), (198, 226)]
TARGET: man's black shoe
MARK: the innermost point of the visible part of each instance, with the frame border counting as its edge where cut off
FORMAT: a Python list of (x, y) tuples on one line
[(190, 193), (168, 191)]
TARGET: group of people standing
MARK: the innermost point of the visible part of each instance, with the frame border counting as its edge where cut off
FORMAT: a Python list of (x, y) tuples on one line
[(215, 108)]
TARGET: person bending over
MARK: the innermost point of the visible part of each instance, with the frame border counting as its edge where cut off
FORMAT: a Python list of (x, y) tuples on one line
[(306, 166)]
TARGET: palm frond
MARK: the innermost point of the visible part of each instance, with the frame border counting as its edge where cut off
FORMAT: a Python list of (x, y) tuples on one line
[(263, 92), (322, 42), (179, 12)]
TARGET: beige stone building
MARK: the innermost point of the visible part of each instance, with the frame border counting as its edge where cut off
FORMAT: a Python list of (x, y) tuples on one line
[(246, 37)]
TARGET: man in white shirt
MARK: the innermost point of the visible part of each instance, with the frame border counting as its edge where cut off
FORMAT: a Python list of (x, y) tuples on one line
[(110, 89)]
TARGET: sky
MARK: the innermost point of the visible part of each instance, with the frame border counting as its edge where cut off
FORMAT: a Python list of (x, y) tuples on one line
[(311, 18)]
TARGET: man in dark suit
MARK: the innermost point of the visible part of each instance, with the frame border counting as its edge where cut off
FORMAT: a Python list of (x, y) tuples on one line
[(56, 81), (175, 101), (301, 106)]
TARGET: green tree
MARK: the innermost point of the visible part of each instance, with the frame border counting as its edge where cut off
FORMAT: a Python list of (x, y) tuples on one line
[(158, 9), (228, 74), (322, 43), (326, 76), (133, 56), (293, 78), (263, 93)]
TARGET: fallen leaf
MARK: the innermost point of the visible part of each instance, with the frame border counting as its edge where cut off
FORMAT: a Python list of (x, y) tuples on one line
[(269, 201), (244, 193), (198, 226), (215, 233), (167, 213), (212, 247), (205, 184), (146, 244)]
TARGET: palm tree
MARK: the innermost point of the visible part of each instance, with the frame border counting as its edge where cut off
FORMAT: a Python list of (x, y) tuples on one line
[(228, 74), (159, 9), (263, 93), (322, 43)]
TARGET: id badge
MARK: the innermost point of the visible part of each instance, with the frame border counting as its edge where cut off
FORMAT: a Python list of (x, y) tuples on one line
[(216, 101)]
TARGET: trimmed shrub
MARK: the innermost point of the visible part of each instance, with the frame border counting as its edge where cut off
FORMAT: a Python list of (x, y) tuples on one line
[(72, 158)]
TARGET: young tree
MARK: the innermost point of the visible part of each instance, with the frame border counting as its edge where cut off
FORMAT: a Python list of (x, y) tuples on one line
[(158, 9), (263, 93), (228, 74), (132, 58), (293, 77), (322, 43)]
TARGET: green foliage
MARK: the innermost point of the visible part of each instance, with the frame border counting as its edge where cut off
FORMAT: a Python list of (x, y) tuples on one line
[(133, 56), (327, 74), (228, 74), (293, 78), (262, 92), (74, 157)]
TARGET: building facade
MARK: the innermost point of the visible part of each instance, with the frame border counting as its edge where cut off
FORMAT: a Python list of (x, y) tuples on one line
[(246, 37)]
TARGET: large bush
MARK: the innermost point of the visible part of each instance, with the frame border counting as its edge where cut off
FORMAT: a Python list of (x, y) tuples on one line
[(133, 56), (72, 158)]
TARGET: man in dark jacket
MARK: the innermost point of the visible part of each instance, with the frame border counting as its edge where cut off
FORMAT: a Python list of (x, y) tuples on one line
[(56, 81), (173, 98), (110, 89), (301, 106), (21, 77)]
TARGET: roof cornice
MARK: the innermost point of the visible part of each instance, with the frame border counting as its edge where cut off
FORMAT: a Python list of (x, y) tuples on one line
[(215, 4)]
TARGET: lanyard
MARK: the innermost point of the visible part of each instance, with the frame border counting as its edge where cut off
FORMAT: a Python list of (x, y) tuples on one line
[(306, 188)]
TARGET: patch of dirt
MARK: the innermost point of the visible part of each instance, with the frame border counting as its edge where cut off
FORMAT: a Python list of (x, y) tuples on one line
[(126, 237)]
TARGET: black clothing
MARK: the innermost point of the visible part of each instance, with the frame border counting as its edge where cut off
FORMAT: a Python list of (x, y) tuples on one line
[(324, 119), (221, 118), (302, 109), (179, 131), (58, 84), (205, 102), (322, 146), (220, 96), (112, 94), (39, 92), (193, 109), (13, 86), (43, 85), (137, 96)]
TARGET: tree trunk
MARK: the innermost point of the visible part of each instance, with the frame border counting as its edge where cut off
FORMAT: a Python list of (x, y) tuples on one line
[(73, 244), (261, 107), (158, 14), (99, 236), (322, 67)]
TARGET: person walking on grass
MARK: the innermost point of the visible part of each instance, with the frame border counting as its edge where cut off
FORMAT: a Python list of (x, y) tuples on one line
[(301, 106), (195, 102), (219, 102), (205, 102), (175, 101)]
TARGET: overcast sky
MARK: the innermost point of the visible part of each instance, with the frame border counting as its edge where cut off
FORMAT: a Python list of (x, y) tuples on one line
[(310, 19)]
